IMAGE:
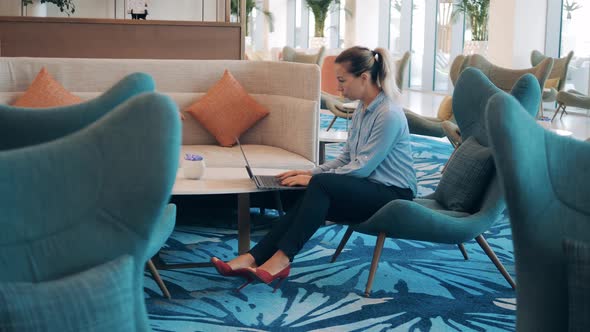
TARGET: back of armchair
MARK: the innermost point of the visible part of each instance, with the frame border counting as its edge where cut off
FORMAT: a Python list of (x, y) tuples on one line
[(291, 91)]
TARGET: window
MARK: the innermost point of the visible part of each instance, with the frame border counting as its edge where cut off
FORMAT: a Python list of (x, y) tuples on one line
[(575, 37)]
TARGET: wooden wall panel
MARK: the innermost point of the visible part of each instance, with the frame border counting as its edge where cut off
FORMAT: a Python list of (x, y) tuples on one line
[(109, 38)]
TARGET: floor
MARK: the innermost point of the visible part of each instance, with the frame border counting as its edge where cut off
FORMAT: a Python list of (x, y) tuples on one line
[(576, 121)]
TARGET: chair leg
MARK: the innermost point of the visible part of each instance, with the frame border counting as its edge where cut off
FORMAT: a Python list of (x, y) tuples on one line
[(557, 111), (486, 248), (332, 123), (342, 244), (463, 251), (158, 279), (563, 111), (375, 262)]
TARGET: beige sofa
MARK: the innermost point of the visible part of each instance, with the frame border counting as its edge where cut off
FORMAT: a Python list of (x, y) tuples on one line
[(287, 138)]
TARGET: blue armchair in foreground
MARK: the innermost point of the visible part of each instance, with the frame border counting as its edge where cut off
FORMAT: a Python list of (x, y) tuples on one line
[(546, 180), (470, 184), (89, 189), (29, 126)]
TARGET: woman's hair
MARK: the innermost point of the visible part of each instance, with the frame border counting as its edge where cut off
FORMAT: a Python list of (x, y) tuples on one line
[(378, 63)]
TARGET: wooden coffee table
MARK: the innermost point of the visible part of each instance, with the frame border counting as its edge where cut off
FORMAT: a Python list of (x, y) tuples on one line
[(219, 181)]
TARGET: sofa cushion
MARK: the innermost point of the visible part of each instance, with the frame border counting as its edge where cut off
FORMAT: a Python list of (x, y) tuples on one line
[(227, 111), (45, 91), (578, 274), (466, 177), (259, 156), (551, 83), (98, 299)]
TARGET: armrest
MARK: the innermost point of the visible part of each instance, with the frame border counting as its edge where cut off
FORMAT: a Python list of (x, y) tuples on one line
[(424, 125), (453, 133)]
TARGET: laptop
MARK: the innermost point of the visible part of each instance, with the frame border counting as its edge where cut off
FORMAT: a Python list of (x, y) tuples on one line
[(264, 181)]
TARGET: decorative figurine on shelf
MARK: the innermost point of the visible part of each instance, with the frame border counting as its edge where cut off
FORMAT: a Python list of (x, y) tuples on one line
[(137, 9)]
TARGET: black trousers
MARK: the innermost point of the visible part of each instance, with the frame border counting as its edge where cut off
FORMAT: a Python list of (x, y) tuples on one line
[(338, 198)]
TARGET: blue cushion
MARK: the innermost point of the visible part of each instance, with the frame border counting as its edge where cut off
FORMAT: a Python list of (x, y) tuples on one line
[(578, 282), (466, 177), (98, 299)]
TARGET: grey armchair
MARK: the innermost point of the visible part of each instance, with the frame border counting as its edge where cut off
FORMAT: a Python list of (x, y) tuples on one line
[(547, 185), (291, 55), (556, 80), (426, 219), (503, 78)]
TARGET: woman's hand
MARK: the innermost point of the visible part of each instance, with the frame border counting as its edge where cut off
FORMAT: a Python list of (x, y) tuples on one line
[(289, 174), (296, 180)]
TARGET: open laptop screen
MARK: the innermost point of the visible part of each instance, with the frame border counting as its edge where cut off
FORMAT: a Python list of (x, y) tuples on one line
[(248, 168)]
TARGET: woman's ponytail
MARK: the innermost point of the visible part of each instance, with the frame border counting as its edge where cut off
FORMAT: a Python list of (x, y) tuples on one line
[(385, 74)]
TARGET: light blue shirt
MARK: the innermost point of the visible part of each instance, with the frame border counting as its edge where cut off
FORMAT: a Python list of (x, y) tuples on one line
[(378, 147)]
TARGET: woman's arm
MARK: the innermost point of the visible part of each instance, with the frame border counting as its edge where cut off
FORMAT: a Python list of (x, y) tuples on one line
[(386, 132)]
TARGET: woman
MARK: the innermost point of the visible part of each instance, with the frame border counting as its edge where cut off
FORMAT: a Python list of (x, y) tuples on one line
[(375, 167)]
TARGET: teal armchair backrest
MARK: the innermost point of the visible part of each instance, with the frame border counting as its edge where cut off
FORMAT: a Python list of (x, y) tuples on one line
[(79, 198), (546, 181), (30, 126)]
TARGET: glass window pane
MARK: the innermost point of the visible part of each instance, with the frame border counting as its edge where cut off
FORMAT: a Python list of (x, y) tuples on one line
[(442, 61), (574, 36), (418, 24), (298, 5), (395, 19)]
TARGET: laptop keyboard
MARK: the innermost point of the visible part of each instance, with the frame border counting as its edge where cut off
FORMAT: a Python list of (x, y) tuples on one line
[(269, 182)]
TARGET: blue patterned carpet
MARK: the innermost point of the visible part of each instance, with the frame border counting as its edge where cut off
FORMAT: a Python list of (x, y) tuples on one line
[(419, 286)]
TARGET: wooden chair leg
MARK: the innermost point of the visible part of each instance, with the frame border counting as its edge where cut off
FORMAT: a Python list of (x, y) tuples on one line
[(463, 251), (342, 244), (158, 279), (375, 262), (332, 123), (486, 248)]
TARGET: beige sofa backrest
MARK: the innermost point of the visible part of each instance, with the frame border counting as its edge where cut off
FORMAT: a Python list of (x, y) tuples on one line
[(291, 91)]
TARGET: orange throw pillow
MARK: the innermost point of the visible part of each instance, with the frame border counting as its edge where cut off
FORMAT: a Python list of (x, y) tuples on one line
[(45, 91), (551, 83), (227, 110)]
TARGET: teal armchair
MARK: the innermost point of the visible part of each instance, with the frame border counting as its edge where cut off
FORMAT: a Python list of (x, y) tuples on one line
[(546, 181), (425, 218), (83, 185)]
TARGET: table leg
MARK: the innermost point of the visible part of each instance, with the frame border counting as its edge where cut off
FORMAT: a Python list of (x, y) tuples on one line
[(322, 153), (243, 223)]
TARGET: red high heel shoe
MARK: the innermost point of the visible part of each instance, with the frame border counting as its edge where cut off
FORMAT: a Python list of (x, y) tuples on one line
[(225, 270), (267, 278)]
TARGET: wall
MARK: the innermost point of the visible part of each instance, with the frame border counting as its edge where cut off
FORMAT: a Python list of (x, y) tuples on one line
[(516, 28), (10, 8), (187, 10), (366, 26)]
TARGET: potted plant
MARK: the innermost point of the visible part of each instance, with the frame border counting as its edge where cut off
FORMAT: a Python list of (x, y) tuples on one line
[(251, 5), (320, 9), (570, 7), (476, 12), (65, 6)]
